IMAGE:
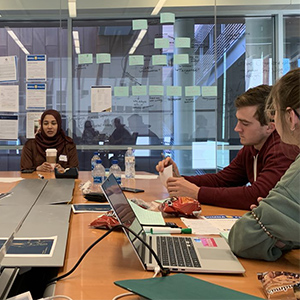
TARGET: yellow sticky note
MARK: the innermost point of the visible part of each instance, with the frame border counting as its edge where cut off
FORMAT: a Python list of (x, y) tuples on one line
[(103, 58), (86, 58), (139, 24), (209, 91), (182, 42), (181, 59), (121, 91), (167, 18), (159, 60), (174, 91), (139, 90), (192, 91), (136, 60), (161, 43), (156, 90)]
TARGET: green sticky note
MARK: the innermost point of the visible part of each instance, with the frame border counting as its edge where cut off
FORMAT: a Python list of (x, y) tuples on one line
[(103, 58), (167, 18), (156, 90), (139, 24), (174, 91), (209, 91), (182, 42), (86, 58), (139, 90), (159, 60), (121, 91), (136, 60), (192, 91), (181, 59), (160, 43)]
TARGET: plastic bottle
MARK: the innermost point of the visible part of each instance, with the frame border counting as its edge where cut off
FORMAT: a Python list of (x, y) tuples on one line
[(129, 163), (98, 174), (94, 159), (116, 170)]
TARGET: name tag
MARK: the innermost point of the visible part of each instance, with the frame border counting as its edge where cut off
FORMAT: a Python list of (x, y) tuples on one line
[(63, 158)]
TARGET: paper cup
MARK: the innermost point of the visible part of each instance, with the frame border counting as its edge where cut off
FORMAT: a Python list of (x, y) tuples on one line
[(51, 156)]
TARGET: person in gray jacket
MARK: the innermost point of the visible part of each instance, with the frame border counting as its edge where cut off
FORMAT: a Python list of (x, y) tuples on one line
[(273, 227)]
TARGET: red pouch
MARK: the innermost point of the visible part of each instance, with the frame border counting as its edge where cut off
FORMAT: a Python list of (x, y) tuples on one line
[(181, 206), (105, 221)]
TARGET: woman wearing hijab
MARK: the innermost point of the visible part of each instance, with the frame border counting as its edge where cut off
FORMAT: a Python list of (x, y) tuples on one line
[(52, 136)]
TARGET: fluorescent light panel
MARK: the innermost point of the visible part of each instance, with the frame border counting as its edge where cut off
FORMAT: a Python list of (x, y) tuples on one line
[(16, 39), (76, 41), (137, 41), (158, 7), (72, 8)]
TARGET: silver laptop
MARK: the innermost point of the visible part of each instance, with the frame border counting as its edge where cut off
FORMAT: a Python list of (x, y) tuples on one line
[(179, 253)]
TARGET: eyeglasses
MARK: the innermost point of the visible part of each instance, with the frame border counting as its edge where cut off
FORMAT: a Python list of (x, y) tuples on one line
[(296, 113)]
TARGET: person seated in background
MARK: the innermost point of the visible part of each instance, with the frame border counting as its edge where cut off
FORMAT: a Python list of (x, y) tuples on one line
[(252, 173), (120, 136), (273, 227), (50, 135), (90, 135)]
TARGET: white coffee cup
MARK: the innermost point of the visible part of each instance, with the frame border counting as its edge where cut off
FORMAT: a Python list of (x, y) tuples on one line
[(51, 156)]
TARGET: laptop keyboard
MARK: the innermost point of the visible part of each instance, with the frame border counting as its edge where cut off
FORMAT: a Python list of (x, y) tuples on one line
[(177, 251)]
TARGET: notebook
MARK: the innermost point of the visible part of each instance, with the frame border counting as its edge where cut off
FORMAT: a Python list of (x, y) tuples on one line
[(181, 253)]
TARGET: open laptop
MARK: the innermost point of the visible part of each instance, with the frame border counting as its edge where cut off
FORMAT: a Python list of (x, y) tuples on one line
[(181, 253)]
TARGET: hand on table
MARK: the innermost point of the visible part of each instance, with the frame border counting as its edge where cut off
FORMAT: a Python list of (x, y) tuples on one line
[(45, 167)]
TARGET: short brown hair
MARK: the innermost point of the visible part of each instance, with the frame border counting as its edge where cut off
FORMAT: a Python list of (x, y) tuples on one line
[(256, 96)]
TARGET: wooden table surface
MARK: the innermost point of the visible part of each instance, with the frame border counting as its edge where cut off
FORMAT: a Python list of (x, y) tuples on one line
[(114, 259)]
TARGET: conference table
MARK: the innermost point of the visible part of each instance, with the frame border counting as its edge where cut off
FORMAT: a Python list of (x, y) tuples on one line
[(113, 258)]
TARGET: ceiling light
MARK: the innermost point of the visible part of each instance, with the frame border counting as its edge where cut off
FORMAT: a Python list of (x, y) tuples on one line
[(137, 41), (76, 42), (158, 7), (72, 8), (17, 41)]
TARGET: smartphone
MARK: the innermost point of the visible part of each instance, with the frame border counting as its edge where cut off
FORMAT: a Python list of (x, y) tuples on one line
[(27, 171), (132, 190)]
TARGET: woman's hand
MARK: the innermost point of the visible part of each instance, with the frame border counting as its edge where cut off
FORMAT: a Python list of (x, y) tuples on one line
[(45, 167), (254, 205), (59, 168)]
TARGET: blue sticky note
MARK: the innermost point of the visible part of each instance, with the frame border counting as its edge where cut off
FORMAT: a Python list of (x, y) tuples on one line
[(182, 42), (103, 58), (174, 91), (167, 18), (121, 91), (181, 59), (86, 58), (156, 90), (139, 90), (139, 24), (192, 91), (159, 60), (161, 43), (136, 60)]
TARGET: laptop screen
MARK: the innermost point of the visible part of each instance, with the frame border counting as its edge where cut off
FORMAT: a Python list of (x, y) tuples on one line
[(125, 214)]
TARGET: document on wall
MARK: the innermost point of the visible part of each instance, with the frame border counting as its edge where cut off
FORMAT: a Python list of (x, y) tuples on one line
[(10, 123), (36, 95), (36, 67), (9, 98), (8, 68), (32, 123), (100, 98)]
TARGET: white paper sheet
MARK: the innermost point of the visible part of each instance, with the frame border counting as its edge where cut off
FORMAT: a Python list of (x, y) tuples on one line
[(167, 172), (8, 68)]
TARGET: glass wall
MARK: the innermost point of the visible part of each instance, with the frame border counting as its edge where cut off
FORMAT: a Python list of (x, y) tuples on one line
[(174, 95)]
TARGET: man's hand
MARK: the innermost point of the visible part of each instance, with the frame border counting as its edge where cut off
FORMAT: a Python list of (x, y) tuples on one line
[(165, 163), (180, 187)]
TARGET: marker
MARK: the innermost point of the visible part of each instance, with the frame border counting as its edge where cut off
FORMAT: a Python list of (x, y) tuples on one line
[(41, 176), (157, 230)]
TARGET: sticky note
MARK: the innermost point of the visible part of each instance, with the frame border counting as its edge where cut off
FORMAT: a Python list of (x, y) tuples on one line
[(209, 91), (167, 18), (174, 90), (139, 90), (121, 91), (159, 60), (156, 90), (160, 43), (136, 60), (103, 58), (181, 59), (192, 91), (139, 24), (182, 42), (86, 58)]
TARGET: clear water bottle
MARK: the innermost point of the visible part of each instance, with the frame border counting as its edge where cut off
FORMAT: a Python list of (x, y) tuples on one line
[(116, 170), (94, 159), (129, 163), (98, 174)]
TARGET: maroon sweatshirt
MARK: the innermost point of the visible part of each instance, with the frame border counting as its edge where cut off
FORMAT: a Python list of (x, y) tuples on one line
[(230, 187)]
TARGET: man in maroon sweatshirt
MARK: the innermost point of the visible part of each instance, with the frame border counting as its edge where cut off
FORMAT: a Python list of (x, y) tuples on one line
[(255, 170)]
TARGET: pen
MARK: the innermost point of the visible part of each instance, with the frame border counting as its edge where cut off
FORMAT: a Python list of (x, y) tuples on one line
[(41, 176), (155, 230)]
